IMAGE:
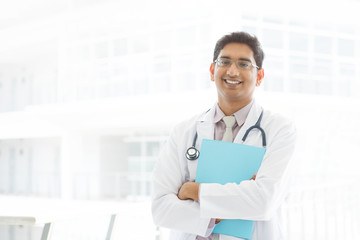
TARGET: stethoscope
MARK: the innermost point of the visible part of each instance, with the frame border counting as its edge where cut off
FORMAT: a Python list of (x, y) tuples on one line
[(192, 153)]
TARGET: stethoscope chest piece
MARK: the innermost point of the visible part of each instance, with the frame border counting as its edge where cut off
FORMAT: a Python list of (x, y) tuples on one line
[(192, 153)]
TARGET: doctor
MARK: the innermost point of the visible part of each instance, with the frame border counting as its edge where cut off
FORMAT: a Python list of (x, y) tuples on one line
[(191, 209)]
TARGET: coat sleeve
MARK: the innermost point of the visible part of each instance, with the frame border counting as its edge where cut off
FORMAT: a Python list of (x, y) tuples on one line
[(168, 176), (255, 200)]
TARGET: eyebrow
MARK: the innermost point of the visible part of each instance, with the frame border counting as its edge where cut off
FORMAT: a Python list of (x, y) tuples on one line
[(243, 59)]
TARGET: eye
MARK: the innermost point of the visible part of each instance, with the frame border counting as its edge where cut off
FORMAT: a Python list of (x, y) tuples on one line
[(244, 64), (225, 62)]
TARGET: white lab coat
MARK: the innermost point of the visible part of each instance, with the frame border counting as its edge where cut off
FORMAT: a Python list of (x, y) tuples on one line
[(257, 200)]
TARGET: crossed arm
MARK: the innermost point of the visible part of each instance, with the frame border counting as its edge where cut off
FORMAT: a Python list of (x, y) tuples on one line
[(259, 198), (190, 190)]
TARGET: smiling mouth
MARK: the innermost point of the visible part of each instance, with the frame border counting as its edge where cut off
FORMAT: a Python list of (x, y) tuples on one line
[(229, 81)]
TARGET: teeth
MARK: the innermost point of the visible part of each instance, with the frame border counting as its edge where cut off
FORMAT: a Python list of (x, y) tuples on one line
[(232, 82)]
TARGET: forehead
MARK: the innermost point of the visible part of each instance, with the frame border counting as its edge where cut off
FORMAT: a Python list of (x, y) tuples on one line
[(236, 51)]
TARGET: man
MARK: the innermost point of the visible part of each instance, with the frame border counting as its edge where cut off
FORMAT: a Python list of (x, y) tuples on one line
[(191, 209)]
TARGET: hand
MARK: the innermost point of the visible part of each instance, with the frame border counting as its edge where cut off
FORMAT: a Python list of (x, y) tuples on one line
[(189, 190), (218, 220), (253, 177)]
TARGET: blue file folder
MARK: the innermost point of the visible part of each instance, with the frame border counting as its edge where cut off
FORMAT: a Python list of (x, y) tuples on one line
[(225, 162)]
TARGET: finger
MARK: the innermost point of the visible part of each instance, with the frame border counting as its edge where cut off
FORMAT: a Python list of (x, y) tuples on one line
[(253, 177), (218, 220)]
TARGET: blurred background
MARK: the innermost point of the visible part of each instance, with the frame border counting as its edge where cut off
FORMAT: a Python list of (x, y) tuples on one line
[(89, 91)]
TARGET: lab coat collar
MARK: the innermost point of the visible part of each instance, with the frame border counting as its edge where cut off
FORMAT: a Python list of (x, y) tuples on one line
[(208, 116), (206, 126), (255, 111)]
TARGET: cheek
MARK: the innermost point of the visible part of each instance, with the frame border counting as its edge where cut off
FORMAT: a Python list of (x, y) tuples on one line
[(219, 73), (253, 78)]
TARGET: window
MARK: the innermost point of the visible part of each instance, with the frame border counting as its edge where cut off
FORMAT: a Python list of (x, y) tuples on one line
[(347, 69), (101, 50), (273, 38), (162, 64), (274, 82), (162, 40), (322, 44), (322, 67), (298, 65), (120, 47), (186, 36), (161, 82), (250, 29), (274, 63), (346, 47), (298, 42), (134, 149), (140, 44)]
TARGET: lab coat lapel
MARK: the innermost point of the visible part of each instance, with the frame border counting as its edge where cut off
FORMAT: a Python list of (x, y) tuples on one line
[(205, 130), (206, 127), (251, 119)]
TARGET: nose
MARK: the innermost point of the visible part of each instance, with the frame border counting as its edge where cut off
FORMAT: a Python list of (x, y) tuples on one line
[(233, 70)]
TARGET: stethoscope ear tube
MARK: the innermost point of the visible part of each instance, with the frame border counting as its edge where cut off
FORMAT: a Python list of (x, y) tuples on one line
[(257, 125), (192, 153), (262, 134)]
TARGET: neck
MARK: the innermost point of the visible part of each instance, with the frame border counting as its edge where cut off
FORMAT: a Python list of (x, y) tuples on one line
[(230, 108)]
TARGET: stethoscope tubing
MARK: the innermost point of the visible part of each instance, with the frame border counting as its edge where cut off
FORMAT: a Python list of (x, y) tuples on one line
[(192, 153), (257, 126)]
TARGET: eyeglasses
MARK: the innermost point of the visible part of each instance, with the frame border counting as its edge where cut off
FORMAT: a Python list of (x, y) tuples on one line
[(242, 64)]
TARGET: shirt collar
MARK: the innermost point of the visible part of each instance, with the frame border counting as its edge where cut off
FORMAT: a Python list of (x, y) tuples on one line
[(240, 115)]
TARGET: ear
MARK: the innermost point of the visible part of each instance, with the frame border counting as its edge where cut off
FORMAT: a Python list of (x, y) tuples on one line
[(260, 77), (212, 70)]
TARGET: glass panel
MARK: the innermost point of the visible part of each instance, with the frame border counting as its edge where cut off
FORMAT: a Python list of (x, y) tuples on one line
[(301, 85), (346, 47), (140, 44), (153, 149), (298, 65), (273, 38), (322, 44), (186, 81), (205, 33), (347, 69), (101, 50), (162, 63), (84, 52), (134, 165), (250, 29), (298, 41), (134, 149), (274, 63), (149, 166), (249, 17), (322, 67), (344, 87), (161, 83), (274, 82), (324, 87), (186, 36), (120, 47), (162, 40), (273, 20), (140, 84)]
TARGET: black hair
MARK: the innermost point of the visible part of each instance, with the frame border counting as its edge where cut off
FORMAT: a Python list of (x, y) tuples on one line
[(241, 37)]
